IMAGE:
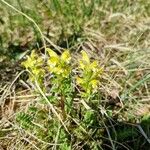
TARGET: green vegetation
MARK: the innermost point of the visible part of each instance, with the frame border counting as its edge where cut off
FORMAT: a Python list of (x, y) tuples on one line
[(75, 74)]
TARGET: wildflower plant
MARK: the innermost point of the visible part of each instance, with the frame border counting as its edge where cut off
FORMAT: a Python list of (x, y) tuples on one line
[(34, 65), (62, 92), (89, 74), (60, 68)]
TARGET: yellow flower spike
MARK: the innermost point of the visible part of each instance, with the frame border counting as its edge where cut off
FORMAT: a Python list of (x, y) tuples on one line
[(85, 57), (65, 57), (34, 63)]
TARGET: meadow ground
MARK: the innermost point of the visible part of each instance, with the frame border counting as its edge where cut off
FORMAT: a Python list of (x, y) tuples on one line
[(110, 111)]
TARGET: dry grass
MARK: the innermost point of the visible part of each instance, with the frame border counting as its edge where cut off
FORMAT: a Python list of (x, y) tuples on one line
[(118, 35)]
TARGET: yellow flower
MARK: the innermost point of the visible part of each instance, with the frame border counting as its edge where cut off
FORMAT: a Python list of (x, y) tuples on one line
[(52, 53), (89, 74), (34, 64), (59, 65), (32, 61), (65, 57)]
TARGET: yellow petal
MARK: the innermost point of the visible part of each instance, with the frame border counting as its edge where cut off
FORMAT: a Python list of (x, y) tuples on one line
[(66, 56), (53, 61), (52, 53), (85, 57)]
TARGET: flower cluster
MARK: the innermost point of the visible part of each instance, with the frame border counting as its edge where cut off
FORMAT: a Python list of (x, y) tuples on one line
[(89, 74), (59, 65), (34, 64)]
